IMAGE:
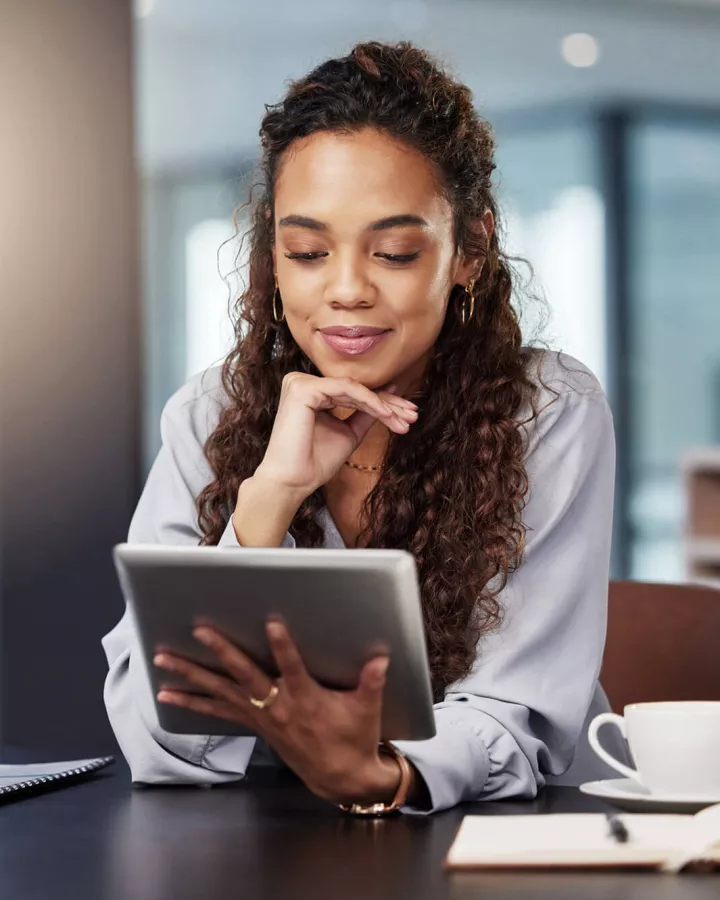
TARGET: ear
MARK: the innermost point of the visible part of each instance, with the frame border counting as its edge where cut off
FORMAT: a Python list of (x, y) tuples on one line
[(471, 267)]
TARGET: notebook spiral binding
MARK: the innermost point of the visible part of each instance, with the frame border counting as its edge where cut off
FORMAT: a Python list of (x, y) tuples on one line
[(67, 775)]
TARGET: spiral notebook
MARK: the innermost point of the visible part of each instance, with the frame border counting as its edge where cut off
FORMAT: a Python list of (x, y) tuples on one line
[(34, 777)]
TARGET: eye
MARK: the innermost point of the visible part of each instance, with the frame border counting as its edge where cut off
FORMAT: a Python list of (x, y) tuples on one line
[(399, 258), (305, 257)]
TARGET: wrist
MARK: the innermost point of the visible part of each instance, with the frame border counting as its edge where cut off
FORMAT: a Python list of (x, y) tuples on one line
[(383, 781), (376, 782), (263, 512), (390, 782), (286, 496), (380, 782)]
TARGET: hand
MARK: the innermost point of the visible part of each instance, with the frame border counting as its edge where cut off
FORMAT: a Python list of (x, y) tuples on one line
[(309, 444), (329, 738)]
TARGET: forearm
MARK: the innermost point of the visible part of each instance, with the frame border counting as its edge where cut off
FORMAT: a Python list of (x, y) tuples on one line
[(263, 512)]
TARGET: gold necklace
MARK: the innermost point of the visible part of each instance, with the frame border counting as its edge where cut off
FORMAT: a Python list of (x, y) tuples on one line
[(362, 468)]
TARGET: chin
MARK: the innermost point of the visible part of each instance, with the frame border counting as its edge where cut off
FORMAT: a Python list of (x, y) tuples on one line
[(362, 371)]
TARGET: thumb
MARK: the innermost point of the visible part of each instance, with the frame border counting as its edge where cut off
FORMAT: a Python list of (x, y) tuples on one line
[(372, 682)]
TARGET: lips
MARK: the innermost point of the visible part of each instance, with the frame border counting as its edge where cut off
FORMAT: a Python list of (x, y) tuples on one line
[(353, 331), (352, 340)]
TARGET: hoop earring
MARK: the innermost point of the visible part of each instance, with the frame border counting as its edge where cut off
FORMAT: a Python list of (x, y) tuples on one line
[(274, 308), (464, 314)]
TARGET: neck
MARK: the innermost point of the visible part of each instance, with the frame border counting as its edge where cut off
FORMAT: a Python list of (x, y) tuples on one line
[(373, 446)]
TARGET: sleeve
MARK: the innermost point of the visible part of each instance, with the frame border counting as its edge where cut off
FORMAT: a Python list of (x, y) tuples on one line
[(166, 514), (517, 717)]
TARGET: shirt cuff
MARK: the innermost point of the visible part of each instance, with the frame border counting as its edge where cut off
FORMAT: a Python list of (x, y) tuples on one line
[(228, 754), (471, 757), (454, 764), (229, 538)]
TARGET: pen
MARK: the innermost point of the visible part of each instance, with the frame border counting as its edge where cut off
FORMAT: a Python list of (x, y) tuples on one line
[(618, 830)]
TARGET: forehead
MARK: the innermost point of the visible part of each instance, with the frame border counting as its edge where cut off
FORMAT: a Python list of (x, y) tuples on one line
[(359, 177)]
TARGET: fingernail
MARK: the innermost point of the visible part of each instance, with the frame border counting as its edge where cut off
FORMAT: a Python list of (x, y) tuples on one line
[(204, 636), (382, 667), (160, 661), (274, 630)]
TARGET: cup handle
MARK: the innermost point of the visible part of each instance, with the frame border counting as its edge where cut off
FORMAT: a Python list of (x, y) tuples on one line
[(595, 726)]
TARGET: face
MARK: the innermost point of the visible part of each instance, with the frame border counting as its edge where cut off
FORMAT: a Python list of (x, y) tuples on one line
[(364, 255)]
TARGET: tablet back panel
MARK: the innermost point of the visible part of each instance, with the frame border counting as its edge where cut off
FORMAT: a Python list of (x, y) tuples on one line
[(341, 607)]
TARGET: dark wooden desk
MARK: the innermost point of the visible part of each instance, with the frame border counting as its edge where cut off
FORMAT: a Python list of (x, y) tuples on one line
[(269, 838)]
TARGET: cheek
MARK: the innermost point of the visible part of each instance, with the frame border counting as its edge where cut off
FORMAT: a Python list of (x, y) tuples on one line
[(301, 288), (420, 306), (300, 304), (301, 308), (422, 315)]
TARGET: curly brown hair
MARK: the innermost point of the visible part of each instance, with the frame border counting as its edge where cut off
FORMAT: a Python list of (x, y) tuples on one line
[(452, 490)]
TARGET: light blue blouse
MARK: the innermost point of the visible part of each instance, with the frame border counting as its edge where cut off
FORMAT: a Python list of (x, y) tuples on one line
[(519, 720)]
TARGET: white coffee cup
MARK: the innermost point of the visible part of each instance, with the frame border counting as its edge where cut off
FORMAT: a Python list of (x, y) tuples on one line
[(676, 747)]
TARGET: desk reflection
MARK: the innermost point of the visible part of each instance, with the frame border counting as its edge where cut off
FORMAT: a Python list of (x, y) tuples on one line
[(271, 838), (192, 842)]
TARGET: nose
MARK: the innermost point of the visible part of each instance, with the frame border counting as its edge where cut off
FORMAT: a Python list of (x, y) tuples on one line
[(348, 285)]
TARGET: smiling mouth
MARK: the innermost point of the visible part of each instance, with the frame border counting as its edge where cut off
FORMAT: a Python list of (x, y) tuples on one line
[(353, 340)]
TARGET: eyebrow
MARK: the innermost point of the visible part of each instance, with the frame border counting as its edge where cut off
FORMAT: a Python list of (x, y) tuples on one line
[(400, 221)]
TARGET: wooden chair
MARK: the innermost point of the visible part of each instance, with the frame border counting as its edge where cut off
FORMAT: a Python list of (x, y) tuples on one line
[(663, 643)]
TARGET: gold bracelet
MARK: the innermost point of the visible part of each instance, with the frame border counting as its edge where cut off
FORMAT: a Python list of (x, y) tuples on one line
[(384, 809)]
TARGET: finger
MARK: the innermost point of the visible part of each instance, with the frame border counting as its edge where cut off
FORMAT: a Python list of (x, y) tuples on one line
[(395, 403), (366, 401), (347, 392), (210, 682), (242, 669), (369, 691), (405, 412), (332, 392), (360, 422), (328, 393), (204, 705), (295, 676), (392, 397), (408, 412)]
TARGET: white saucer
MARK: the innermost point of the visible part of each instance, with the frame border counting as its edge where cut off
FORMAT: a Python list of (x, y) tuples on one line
[(627, 794)]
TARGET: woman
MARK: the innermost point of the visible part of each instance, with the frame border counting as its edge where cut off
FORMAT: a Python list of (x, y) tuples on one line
[(379, 396)]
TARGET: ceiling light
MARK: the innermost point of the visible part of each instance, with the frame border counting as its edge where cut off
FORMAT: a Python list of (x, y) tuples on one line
[(580, 50)]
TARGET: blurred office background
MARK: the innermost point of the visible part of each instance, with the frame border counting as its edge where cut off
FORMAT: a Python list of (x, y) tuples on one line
[(607, 117)]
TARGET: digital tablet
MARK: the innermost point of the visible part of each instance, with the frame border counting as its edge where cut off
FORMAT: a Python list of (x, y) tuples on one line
[(341, 607)]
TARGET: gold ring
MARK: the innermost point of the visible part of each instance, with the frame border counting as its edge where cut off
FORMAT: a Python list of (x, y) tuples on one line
[(269, 700)]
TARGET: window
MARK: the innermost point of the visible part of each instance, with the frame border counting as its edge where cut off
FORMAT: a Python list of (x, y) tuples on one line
[(674, 366), (554, 215)]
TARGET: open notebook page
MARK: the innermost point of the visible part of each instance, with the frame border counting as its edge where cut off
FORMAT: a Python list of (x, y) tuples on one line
[(570, 839)]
